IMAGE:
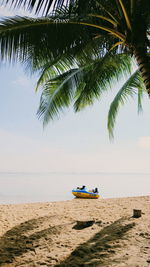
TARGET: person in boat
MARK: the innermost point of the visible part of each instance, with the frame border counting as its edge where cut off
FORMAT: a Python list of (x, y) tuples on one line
[(82, 188), (95, 190)]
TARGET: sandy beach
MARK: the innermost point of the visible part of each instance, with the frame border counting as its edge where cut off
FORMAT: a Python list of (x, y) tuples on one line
[(49, 234)]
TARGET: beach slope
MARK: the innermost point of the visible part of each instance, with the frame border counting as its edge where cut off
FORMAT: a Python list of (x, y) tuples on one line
[(80, 232)]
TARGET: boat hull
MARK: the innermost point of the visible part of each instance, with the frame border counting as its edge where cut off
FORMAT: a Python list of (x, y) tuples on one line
[(84, 194)]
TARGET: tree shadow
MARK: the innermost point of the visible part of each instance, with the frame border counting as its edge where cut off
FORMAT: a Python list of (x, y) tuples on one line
[(23, 238), (28, 236), (98, 249)]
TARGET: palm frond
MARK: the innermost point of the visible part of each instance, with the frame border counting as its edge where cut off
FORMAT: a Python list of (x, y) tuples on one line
[(100, 77), (129, 89), (46, 6), (82, 84), (140, 92), (106, 29), (22, 38), (113, 22), (58, 94), (43, 6), (53, 69), (125, 14)]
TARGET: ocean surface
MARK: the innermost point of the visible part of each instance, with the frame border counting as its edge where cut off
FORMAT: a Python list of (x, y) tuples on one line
[(43, 187)]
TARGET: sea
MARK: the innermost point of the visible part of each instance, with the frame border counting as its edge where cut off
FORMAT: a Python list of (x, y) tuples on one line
[(53, 186)]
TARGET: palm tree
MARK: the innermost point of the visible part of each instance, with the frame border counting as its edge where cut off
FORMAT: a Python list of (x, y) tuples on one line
[(59, 45), (128, 22)]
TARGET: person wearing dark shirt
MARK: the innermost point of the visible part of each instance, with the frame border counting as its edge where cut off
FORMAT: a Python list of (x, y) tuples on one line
[(95, 190), (81, 188)]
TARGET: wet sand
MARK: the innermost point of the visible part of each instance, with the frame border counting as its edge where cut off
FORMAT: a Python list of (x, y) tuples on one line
[(49, 234)]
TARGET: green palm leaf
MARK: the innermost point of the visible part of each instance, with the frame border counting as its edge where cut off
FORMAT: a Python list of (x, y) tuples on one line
[(100, 77), (45, 6), (129, 89), (82, 84), (50, 70), (141, 90), (58, 94), (22, 38), (37, 5)]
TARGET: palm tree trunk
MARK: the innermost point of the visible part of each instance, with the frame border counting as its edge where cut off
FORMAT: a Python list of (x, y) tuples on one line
[(143, 62)]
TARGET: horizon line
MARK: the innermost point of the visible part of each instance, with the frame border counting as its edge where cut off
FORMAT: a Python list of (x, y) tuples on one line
[(75, 172)]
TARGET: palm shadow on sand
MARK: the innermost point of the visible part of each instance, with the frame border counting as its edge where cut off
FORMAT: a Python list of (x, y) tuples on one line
[(98, 250), (27, 236)]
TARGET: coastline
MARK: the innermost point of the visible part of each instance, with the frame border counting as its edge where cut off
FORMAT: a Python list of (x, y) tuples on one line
[(45, 234)]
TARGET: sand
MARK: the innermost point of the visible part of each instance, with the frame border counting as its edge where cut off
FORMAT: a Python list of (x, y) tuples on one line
[(47, 234)]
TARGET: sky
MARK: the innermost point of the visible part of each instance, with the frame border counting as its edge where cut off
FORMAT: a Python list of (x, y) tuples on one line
[(75, 142)]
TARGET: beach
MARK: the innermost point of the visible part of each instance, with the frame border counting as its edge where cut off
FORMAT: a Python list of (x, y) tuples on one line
[(56, 233)]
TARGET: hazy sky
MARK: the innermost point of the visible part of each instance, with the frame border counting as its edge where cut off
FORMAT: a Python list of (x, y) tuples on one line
[(76, 142)]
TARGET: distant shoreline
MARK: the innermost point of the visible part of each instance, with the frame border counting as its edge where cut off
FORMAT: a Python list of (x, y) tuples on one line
[(75, 173), (22, 188), (4, 202)]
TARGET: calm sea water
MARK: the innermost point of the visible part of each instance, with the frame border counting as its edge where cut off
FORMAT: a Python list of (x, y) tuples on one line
[(39, 187)]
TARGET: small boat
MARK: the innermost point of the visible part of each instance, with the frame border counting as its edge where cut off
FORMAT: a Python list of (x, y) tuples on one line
[(84, 194)]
